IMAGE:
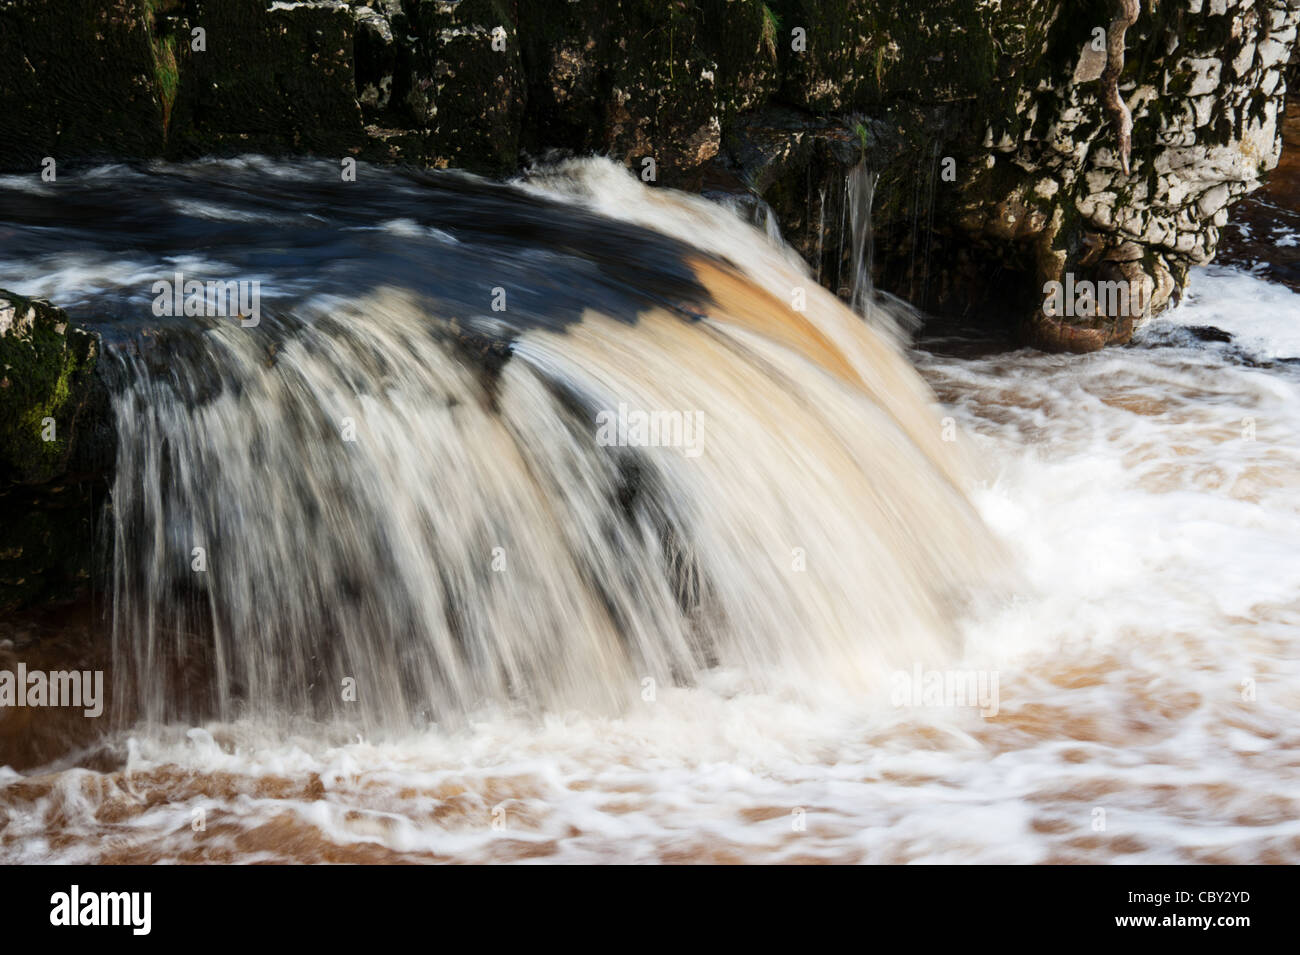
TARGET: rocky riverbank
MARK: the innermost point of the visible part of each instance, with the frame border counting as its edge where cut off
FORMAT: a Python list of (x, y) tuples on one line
[(1009, 144)]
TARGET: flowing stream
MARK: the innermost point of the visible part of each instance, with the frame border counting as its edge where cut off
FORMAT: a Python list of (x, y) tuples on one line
[(571, 520)]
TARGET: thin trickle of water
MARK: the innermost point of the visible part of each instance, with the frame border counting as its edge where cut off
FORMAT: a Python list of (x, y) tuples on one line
[(922, 297), (839, 249), (821, 234), (914, 238), (860, 188)]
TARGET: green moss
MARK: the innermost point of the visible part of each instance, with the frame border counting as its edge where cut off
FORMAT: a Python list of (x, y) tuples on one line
[(861, 132), (771, 29), (45, 371), (163, 46)]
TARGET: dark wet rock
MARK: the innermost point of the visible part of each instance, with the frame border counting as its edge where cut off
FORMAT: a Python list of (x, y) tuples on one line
[(47, 544), (78, 80), (467, 83), (860, 54), (745, 40), (268, 80), (642, 80), (381, 59), (53, 421), (565, 56), (1208, 333)]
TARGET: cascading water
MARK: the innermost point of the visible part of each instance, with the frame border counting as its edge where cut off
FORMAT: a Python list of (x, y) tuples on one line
[(397, 504), (860, 188)]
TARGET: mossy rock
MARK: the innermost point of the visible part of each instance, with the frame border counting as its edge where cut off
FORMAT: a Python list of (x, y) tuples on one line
[(54, 419), (46, 375)]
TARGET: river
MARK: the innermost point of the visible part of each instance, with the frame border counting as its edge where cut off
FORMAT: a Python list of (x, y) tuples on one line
[(380, 589)]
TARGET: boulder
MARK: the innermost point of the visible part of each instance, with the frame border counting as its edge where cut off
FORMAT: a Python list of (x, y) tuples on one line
[(53, 415), (46, 376)]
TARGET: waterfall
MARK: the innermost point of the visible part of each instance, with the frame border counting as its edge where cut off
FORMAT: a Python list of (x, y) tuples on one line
[(402, 505)]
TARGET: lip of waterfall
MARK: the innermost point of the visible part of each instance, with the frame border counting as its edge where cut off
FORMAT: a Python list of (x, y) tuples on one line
[(391, 502), (753, 210), (303, 233)]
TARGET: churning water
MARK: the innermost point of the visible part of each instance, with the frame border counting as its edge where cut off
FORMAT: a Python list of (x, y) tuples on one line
[(537, 523)]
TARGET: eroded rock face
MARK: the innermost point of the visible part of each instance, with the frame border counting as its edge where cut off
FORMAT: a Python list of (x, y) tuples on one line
[(1010, 143), (1204, 85), (1006, 174)]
